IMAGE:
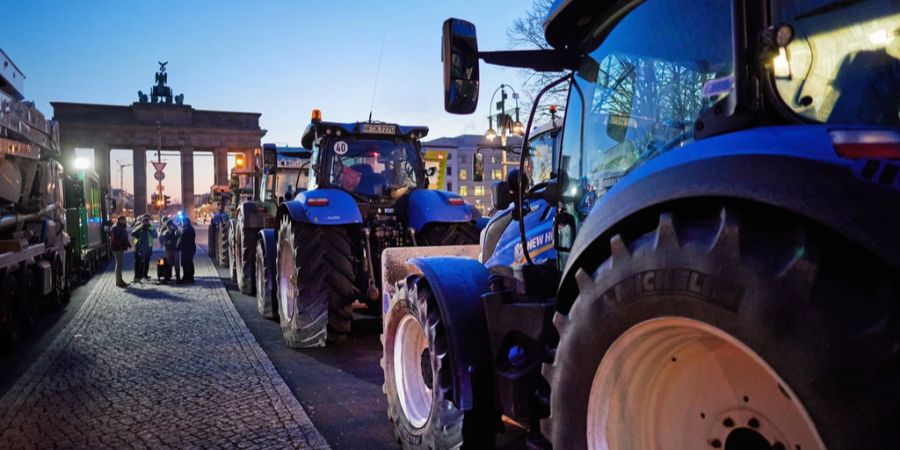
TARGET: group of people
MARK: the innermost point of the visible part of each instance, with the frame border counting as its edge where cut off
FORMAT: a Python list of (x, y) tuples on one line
[(179, 246)]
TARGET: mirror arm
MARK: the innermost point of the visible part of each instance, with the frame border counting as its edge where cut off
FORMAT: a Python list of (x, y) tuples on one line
[(537, 60)]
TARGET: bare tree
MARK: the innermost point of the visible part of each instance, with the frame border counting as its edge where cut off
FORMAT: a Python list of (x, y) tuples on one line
[(527, 32)]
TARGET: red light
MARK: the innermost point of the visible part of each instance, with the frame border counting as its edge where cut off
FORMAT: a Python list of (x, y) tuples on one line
[(553, 108), (440, 156), (455, 201), (866, 144), (317, 201)]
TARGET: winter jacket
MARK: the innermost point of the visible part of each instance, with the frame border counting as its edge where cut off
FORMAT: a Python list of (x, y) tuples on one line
[(118, 238), (143, 237), (169, 238), (187, 242)]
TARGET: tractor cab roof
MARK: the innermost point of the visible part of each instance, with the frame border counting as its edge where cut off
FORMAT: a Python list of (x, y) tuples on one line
[(298, 152), (567, 20), (374, 129)]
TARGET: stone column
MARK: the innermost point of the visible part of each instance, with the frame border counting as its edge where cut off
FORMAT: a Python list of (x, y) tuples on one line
[(139, 156), (220, 160), (187, 180), (101, 165)]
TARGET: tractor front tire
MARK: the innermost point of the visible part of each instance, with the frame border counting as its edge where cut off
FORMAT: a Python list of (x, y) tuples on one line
[(418, 377), (447, 234), (232, 256), (315, 283), (265, 298), (750, 330)]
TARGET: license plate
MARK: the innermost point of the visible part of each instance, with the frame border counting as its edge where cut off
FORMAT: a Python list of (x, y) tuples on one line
[(379, 128)]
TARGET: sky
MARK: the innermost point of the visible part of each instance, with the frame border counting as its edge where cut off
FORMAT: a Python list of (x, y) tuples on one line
[(278, 58)]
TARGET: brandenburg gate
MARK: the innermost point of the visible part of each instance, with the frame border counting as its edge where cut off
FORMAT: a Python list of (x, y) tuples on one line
[(160, 120)]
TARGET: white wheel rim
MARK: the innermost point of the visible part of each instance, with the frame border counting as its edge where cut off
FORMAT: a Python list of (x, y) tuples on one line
[(677, 383), (415, 395), (287, 270)]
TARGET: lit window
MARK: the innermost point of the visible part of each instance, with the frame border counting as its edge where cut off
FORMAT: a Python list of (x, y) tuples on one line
[(497, 174), (463, 174), (479, 190), (464, 190)]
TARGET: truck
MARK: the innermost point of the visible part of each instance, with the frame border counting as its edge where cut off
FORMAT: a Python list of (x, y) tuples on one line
[(32, 217), (712, 261), (367, 191), (86, 222)]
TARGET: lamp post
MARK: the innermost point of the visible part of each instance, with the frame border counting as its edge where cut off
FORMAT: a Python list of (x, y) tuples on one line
[(505, 122), (122, 174)]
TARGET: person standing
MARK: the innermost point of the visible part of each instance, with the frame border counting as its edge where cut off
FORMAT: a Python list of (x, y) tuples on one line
[(168, 239), (118, 238), (187, 246), (143, 234)]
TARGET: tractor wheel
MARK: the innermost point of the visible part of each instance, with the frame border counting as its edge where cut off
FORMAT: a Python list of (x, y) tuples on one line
[(222, 244), (716, 332), (265, 298), (418, 377), (211, 243), (232, 251), (245, 255), (58, 296), (315, 283), (10, 313), (447, 234)]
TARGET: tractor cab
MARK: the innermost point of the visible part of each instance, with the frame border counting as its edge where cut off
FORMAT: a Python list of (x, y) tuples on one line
[(375, 162), (284, 173)]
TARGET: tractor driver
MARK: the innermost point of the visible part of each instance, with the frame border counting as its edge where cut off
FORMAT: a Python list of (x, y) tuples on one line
[(349, 179)]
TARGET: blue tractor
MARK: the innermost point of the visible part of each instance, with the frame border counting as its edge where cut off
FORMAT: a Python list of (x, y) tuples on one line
[(711, 262), (367, 192)]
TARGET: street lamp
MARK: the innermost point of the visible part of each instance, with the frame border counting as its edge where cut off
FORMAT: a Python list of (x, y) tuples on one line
[(505, 122), (121, 174)]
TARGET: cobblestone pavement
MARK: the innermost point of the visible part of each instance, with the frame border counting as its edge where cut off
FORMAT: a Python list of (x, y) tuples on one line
[(155, 366)]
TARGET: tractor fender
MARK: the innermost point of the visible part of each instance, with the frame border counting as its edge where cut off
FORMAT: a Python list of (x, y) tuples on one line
[(794, 168), (458, 284), (341, 208), (426, 206), (267, 237)]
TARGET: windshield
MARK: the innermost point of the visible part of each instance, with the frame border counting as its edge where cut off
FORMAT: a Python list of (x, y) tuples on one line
[(843, 65), (372, 167), (290, 180), (641, 90)]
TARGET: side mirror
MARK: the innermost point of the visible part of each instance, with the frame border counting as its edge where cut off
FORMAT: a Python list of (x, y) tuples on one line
[(500, 195), (459, 54)]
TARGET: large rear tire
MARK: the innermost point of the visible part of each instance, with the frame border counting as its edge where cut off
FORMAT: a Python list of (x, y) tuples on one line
[(265, 294), (418, 377), (222, 244), (315, 283), (245, 257), (232, 256), (716, 332), (447, 234)]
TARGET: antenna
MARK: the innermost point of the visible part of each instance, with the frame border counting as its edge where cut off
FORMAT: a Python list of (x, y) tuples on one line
[(377, 71)]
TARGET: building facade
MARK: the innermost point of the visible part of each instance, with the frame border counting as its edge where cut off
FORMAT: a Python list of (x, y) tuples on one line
[(469, 165)]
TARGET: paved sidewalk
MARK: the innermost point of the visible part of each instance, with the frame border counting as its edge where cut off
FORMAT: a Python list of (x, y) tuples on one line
[(155, 366)]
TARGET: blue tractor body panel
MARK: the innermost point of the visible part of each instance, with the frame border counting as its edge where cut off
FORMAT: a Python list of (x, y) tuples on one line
[(538, 235), (458, 284), (341, 208), (426, 206), (794, 168)]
